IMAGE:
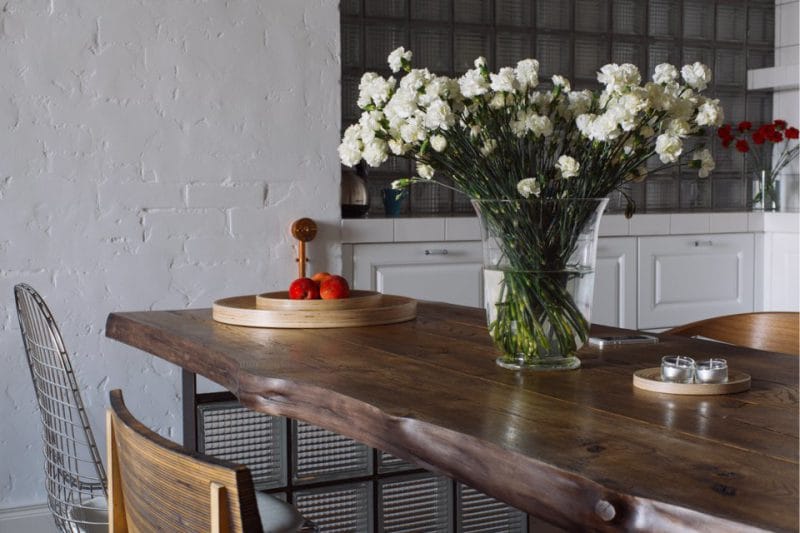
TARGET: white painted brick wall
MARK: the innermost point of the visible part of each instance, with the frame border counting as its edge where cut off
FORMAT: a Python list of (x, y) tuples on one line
[(153, 155)]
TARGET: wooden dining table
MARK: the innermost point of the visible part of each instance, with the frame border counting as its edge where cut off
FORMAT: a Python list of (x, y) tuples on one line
[(581, 449)]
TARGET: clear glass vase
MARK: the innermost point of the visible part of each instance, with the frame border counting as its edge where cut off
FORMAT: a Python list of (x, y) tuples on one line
[(538, 271)]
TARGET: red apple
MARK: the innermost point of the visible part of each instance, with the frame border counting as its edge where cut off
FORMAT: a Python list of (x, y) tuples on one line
[(303, 289), (333, 288), (319, 277)]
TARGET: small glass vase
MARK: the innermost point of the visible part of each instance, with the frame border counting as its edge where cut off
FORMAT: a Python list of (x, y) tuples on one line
[(765, 193), (538, 271)]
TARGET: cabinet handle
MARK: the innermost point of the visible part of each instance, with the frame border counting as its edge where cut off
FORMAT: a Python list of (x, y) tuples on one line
[(698, 244), (443, 251)]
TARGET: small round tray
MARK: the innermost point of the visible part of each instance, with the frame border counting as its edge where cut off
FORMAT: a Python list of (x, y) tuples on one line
[(650, 379), (243, 311), (280, 301)]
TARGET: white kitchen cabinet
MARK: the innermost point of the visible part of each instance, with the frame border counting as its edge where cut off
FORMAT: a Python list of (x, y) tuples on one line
[(438, 271), (781, 265), (688, 278), (615, 283)]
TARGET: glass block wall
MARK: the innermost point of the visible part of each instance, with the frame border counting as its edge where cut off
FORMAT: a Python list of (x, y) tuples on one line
[(573, 38)]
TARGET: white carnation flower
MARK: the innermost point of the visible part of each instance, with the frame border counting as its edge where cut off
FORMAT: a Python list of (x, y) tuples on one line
[(416, 79), (474, 131), (668, 147), (702, 159), (561, 81), (480, 62), (402, 105), (528, 187), (373, 89), (527, 73), (604, 128), (580, 102), (678, 127), (498, 101), (584, 123), (504, 80), (412, 130), (472, 83), (424, 171), (350, 148), (397, 57), (709, 113), (665, 73), (397, 146), (697, 76), (489, 146), (539, 125), (438, 143), (617, 77), (568, 166), (375, 152), (439, 115)]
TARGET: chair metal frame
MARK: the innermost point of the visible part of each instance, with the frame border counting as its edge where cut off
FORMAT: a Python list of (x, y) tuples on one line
[(75, 477)]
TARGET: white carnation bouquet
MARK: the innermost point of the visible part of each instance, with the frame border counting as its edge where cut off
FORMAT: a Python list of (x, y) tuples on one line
[(499, 136)]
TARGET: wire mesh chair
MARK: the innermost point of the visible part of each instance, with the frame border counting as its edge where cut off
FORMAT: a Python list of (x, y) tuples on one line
[(75, 478)]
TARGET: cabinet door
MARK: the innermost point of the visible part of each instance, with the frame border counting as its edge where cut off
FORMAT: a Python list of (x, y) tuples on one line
[(615, 283), (688, 278), (439, 271)]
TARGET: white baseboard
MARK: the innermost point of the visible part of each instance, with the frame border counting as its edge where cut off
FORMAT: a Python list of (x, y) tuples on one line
[(28, 519)]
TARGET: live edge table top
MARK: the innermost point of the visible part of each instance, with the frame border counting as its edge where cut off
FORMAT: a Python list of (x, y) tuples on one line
[(583, 449)]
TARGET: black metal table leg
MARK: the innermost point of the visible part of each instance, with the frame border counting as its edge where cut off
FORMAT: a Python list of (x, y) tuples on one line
[(189, 394)]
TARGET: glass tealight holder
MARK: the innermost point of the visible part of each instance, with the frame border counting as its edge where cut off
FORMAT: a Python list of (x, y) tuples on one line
[(711, 371), (677, 369)]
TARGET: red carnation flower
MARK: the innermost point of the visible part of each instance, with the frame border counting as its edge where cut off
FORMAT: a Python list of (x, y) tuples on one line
[(745, 125), (742, 146), (776, 137), (792, 133), (727, 142), (724, 132), (758, 137), (781, 124)]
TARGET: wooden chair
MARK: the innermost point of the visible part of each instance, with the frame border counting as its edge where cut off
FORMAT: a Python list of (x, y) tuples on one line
[(772, 331), (157, 485)]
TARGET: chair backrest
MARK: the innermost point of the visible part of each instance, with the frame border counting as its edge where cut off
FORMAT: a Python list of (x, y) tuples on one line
[(73, 467), (157, 485), (769, 331)]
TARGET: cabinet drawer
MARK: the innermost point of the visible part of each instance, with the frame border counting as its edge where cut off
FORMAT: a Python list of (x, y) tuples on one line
[(615, 283), (688, 278), (479, 513), (421, 502), (338, 509), (321, 455), (439, 271)]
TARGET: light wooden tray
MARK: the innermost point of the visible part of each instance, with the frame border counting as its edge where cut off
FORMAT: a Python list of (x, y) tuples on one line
[(246, 311), (650, 379), (280, 301)]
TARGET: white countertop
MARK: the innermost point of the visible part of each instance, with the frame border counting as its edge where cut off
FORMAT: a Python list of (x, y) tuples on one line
[(466, 228)]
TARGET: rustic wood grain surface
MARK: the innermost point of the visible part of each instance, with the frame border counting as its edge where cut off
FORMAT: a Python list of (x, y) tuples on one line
[(581, 449)]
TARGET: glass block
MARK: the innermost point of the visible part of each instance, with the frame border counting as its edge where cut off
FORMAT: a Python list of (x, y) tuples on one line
[(704, 54), (386, 8), (389, 463), (730, 67), (469, 45), (513, 12), (554, 55), (477, 11), (760, 58), (462, 204), (232, 432), (477, 512), (664, 18), (761, 25), (660, 193), (415, 503), (589, 57), (350, 110), (729, 161), (759, 107), (661, 52), (628, 52), (591, 15), (728, 193), (351, 45), (733, 104), (553, 14), (338, 509), (628, 16), (698, 19), (430, 9), (432, 49), (375, 184), (381, 40), (350, 7), (512, 47), (321, 454), (424, 198), (731, 22)]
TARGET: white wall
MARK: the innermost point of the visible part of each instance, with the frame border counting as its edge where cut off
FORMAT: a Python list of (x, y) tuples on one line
[(152, 155), (786, 99)]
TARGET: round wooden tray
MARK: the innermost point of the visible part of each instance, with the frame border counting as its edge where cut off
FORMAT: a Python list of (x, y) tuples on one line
[(650, 379), (280, 301), (243, 311)]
